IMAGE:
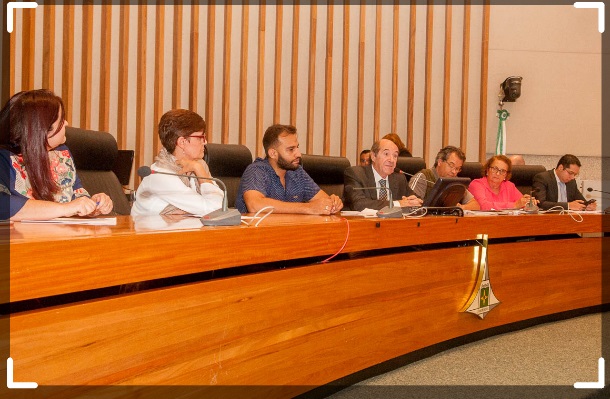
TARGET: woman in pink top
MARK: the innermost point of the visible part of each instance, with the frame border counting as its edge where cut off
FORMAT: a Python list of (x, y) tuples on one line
[(495, 191)]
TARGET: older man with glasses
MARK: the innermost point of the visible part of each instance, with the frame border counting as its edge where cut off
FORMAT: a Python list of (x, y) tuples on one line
[(557, 187), (448, 163)]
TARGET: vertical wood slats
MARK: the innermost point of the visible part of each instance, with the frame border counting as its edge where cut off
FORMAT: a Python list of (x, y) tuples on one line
[(141, 85), (465, 79), (312, 76), (226, 74), (344, 80), (395, 25), (243, 73), (209, 72), (105, 56), (260, 80), (67, 80), (411, 76), (483, 84), (447, 74), (277, 82), (84, 82), (377, 95), (86, 66), (328, 81), (159, 70), (48, 47), (8, 64), (123, 76), (194, 58), (295, 63), (27, 48), (177, 52), (428, 81), (361, 44)]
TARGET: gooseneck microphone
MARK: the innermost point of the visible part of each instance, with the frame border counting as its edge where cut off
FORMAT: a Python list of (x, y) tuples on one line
[(396, 170), (219, 217), (387, 211), (599, 191)]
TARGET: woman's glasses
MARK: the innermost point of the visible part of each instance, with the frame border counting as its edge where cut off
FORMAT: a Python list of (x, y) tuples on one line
[(498, 171)]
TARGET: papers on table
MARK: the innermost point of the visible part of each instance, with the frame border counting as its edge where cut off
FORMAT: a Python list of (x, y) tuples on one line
[(86, 221), (367, 213)]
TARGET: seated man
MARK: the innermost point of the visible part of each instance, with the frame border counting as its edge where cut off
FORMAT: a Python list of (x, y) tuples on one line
[(365, 157), (448, 163), (557, 187), (379, 173), (280, 181)]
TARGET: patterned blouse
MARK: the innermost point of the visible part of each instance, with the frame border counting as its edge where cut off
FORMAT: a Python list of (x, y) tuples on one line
[(62, 170)]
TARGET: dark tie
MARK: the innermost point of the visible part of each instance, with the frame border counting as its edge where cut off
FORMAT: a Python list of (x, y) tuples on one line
[(383, 191)]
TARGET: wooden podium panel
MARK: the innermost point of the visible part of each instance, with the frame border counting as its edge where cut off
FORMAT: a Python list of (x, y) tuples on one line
[(298, 327)]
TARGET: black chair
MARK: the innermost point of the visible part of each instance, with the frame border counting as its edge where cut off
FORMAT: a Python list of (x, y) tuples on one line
[(123, 165), (326, 171), (410, 165), (228, 162), (95, 154), (523, 176), (473, 170)]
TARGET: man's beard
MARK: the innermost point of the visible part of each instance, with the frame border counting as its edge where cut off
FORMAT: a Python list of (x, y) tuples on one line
[(284, 164)]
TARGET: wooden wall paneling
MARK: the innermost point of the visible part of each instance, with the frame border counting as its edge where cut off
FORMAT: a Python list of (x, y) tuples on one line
[(377, 84), (277, 82), (411, 75), (344, 80), (361, 44), (483, 95), (328, 79), (226, 73), (67, 80), (428, 82), (105, 65), (8, 66), (123, 76), (209, 71), (260, 79), (465, 79), (243, 73), (177, 54), (395, 26), (194, 58), (295, 63), (447, 74), (141, 85), (28, 44), (86, 66), (311, 100), (48, 47), (159, 72)]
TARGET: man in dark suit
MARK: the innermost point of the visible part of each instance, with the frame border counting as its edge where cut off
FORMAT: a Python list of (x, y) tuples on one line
[(379, 173), (557, 187)]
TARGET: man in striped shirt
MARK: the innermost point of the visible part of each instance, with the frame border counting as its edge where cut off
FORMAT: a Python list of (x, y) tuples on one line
[(280, 181)]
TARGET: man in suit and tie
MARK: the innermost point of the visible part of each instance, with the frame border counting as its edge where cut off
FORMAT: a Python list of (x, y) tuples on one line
[(557, 187), (380, 173)]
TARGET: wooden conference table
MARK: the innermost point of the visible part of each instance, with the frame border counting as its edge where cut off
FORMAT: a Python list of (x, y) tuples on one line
[(276, 317)]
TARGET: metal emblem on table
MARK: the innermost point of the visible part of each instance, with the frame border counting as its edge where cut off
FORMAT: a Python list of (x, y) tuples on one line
[(482, 299)]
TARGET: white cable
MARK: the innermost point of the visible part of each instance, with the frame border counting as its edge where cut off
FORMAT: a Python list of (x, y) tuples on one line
[(271, 209), (563, 211)]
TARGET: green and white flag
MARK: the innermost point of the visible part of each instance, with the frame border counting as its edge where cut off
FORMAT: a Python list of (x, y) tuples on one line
[(501, 138)]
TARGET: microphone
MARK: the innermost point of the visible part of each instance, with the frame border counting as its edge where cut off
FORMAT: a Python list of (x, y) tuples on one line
[(530, 207), (396, 170), (219, 217), (599, 191), (387, 211)]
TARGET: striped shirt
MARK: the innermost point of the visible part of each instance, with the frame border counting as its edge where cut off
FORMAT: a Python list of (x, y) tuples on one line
[(261, 176)]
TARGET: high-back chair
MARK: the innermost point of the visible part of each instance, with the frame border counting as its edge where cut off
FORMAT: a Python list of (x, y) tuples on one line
[(326, 171), (523, 176), (95, 155), (228, 162), (473, 170), (410, 165)]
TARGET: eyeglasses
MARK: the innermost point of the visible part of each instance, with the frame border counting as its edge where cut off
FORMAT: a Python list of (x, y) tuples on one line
[(201, 137), (571, 173), (498, 171), (453, 167)]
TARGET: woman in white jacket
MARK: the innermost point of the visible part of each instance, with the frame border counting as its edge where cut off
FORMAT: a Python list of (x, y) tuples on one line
[(182, 133)]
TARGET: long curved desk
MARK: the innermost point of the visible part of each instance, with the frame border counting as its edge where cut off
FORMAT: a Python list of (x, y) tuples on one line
[(277, 318)]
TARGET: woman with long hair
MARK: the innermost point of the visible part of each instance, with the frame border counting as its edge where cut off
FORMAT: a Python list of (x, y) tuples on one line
[(42, 179)]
